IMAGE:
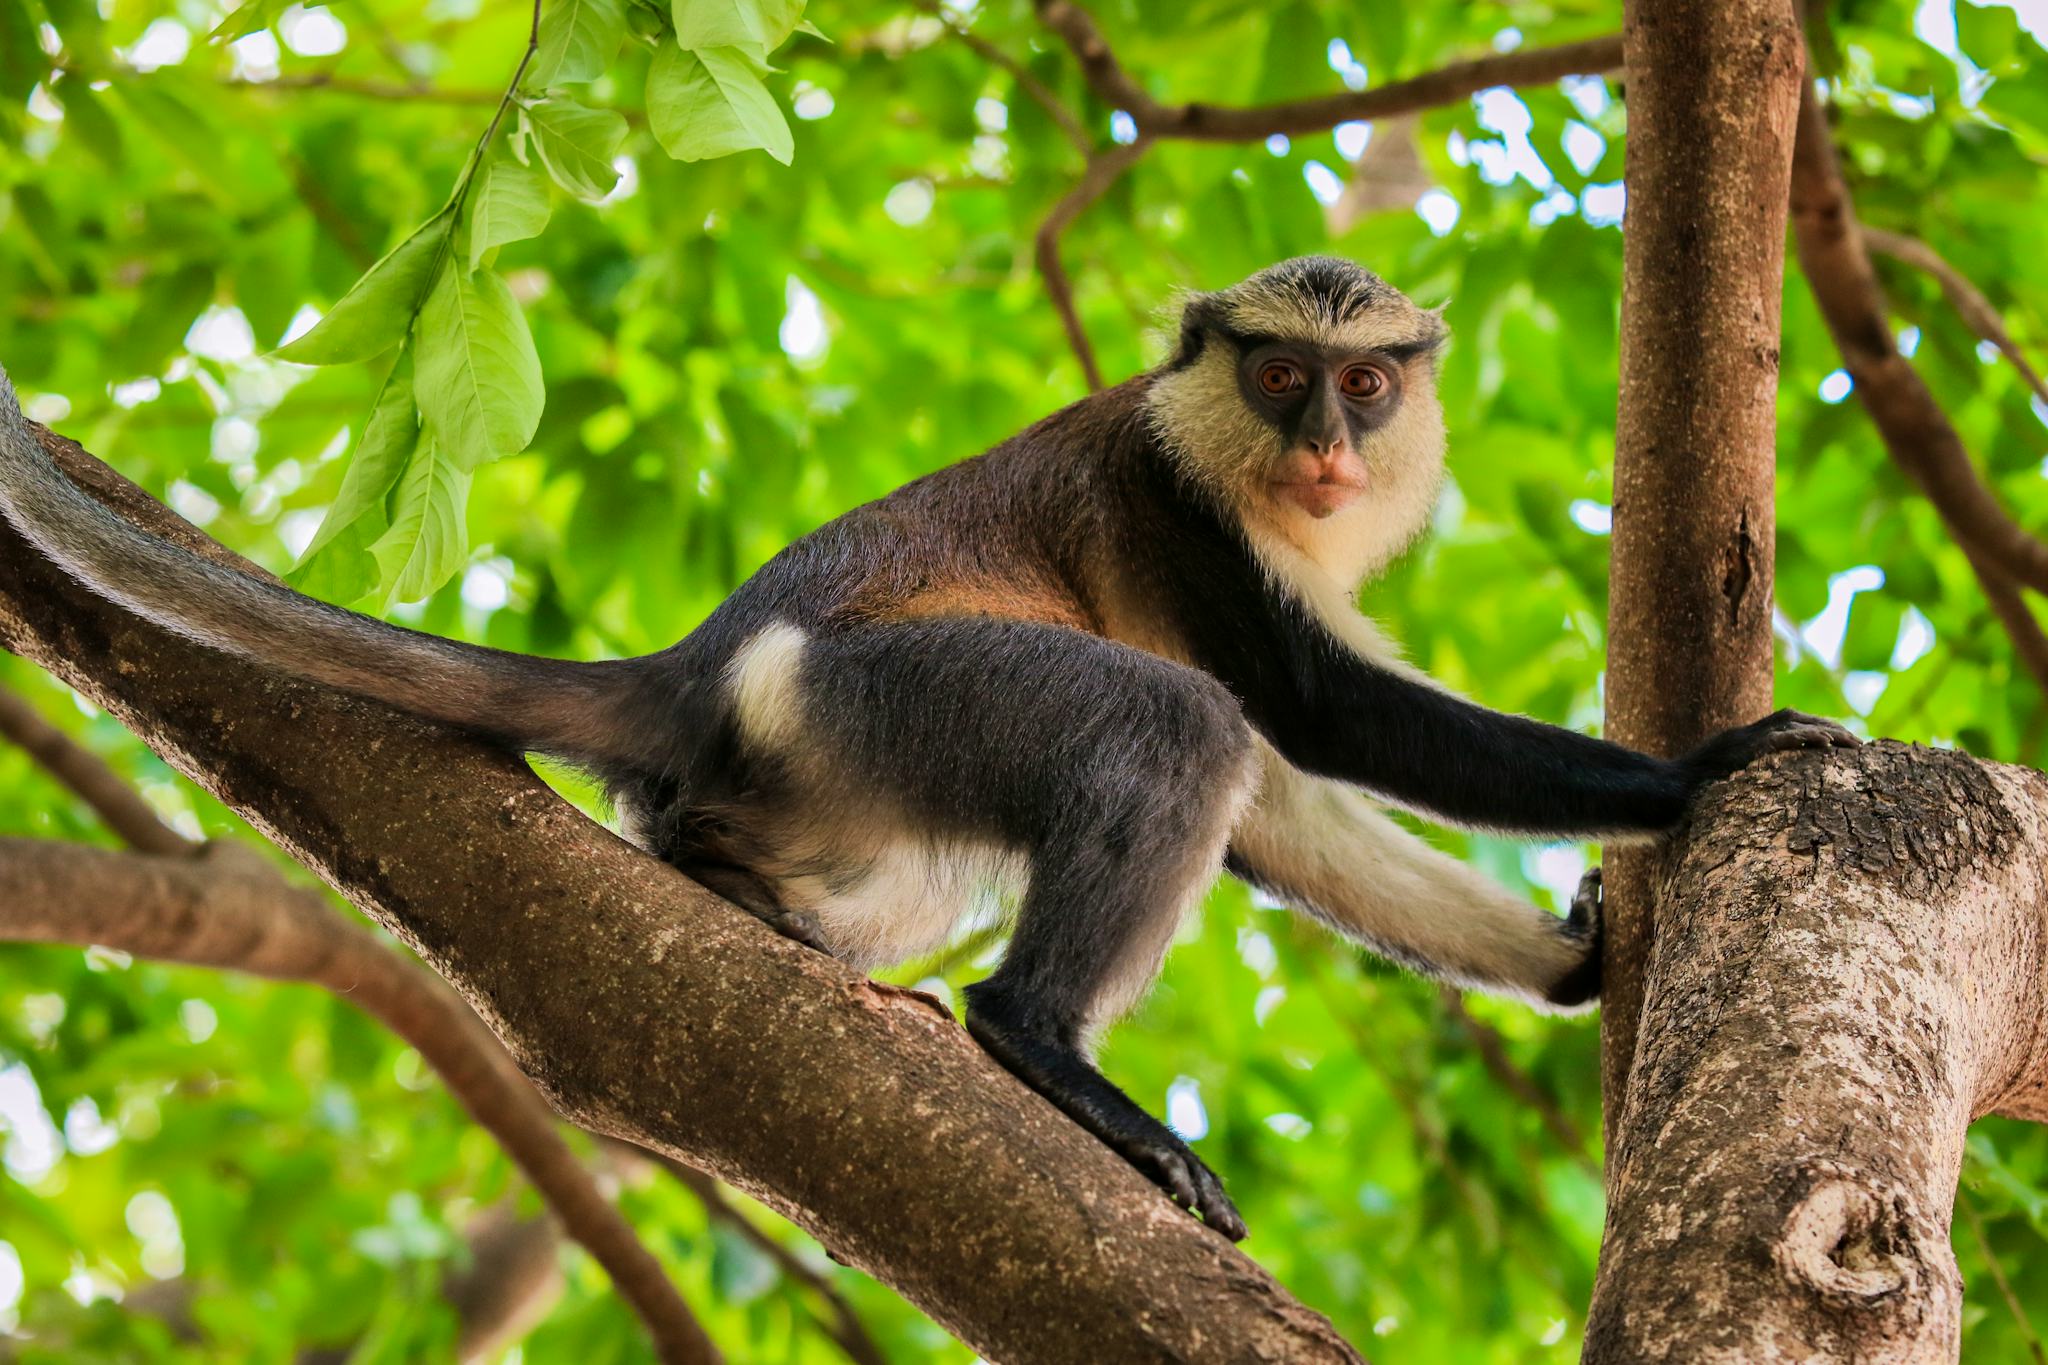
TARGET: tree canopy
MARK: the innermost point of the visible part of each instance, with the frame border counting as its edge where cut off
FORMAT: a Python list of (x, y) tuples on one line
[(548, 345)]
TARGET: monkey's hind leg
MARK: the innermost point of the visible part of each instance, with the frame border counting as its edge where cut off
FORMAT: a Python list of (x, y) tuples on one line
[(1117, 774)]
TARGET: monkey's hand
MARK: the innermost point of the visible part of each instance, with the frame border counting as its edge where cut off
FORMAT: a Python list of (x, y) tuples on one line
[(1733, 750), (1581, 985)]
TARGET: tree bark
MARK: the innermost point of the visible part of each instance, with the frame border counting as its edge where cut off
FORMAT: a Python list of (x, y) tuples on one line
[(648, 1009), (1849, 968), (1713, 90)]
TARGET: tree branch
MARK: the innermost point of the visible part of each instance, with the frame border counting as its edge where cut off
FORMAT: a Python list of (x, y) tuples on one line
[(1216, 123), (1493, 1055), (649, 1010), (227, 908), (1921, 440), (1103, 169), (845, 1328), (119, 806), (1220, 123), (1968, 300), (1064, 118)]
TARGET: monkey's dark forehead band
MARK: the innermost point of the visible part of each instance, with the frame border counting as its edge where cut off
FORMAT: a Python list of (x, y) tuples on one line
[(1403, 351)]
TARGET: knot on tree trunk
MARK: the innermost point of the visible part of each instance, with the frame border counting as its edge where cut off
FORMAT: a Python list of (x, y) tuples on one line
[(1858, 1243)]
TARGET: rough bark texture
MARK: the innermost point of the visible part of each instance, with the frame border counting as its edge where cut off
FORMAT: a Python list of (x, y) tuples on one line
[(1849, 968), (1713, 90), (648, 1009)]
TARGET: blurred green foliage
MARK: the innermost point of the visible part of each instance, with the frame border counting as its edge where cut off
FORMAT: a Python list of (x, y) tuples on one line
[(734, 351)]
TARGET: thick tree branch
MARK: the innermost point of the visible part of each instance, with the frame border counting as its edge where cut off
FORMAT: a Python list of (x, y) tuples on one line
[(1920, 438), (227, 908), (1221, 123), (650, 1010), (1849, 968)]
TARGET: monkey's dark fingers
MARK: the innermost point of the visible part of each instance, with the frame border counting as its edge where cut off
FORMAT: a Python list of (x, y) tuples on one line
[(1813, 734), (1585, 907)]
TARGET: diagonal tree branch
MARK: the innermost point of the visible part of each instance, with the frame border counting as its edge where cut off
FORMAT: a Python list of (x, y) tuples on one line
[(223, 906), (507, 1242), (1919, 436), (1966, 298), (1041, 94), (119, 806), (649, 1010), (1216, 123), (1916, 432), (1222, 123)]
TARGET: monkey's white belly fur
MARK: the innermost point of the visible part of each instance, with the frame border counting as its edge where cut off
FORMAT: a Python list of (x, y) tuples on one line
[(881, 891)]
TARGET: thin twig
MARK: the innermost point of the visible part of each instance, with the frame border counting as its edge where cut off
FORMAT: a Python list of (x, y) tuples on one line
[(1103, 169), (119, 806), (1219, 123), (1977, 312), (1069, 123), (1917, 433), (846, 1329), (1493, 1055), (2012, 1300)]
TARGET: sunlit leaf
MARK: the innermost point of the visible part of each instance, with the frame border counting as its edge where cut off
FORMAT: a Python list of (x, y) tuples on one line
[(712, 103), (575, 143), (476, 374), (374, 315)]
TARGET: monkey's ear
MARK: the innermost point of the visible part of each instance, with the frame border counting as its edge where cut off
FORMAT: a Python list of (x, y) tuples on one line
[(1198, 316)]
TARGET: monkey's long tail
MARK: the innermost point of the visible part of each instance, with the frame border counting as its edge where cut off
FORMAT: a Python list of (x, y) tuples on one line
[(584, 712)]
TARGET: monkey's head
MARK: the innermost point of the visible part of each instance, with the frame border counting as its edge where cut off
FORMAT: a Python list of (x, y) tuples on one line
[(1306, 395)]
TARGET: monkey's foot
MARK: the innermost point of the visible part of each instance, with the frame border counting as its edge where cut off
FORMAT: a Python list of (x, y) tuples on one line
[(1089, 1098), (802, 926), (1581, 984)]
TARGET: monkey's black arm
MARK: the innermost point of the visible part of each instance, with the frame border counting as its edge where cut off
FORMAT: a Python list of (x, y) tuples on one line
[(1335, 713)]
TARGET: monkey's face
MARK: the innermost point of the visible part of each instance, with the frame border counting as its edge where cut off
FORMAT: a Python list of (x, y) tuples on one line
[(1324, 405), (1307, 397)]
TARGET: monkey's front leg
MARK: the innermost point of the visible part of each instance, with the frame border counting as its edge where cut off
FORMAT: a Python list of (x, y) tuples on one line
[(1324, 848)]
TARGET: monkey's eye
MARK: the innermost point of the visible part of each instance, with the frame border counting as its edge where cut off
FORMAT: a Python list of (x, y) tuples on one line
[(1362, 381), (1277, 377)]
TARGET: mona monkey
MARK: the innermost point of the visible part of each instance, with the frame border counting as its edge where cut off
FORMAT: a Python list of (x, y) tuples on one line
[(1093, 666)]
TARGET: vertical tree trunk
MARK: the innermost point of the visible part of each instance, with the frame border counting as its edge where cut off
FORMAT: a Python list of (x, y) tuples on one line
[(1713, 91), (1848, 969)]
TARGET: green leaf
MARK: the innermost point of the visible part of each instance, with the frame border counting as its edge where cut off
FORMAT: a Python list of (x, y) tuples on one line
[(575, 144), (86, 118), (376, 312), (246, 19), (478, 380), (578, 39), (712, 103), (761, 26), (510, 204), (388, 438), (21, 56), (427, 541)]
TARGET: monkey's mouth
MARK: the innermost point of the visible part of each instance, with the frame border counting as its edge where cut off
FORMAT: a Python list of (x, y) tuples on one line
[(1320, 499)]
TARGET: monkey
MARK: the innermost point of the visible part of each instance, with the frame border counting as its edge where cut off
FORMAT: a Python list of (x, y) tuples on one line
[(1093, 667)]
